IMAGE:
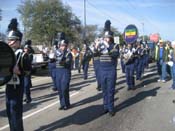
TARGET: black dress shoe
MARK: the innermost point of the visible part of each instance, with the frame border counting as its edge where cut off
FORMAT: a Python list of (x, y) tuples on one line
[(54, 89), (61, 108), (111, 113), (133, 88), (105, 111), (66, 108), (129, 89), (98, 89), (28, 101), (174, 101)]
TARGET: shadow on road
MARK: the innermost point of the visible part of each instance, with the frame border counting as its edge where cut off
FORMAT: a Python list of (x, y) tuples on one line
[(45, 96), (81, 84), (123, 76), (72, 86), (2, 92), (137, 98), (93, 98), (42, 86), (78, 118), (121, 82), (35, 102), (146, 82), (2, 95), (120, 88), (78, 87), (77, 77), (88, 100), (39, 100)]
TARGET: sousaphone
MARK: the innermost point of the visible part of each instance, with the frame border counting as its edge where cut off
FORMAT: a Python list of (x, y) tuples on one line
[(7, 61)]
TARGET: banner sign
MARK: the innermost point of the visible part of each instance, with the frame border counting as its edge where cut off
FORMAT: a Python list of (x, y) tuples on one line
[(154, 38), (130, 34)]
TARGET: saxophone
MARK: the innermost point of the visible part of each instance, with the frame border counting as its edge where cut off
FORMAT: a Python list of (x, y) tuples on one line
[(128, 56)]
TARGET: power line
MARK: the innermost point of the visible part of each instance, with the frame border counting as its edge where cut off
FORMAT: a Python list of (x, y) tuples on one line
[(132, 7), (124, 10), (104, 13), (144, 17), (131, 4), (129, 13)]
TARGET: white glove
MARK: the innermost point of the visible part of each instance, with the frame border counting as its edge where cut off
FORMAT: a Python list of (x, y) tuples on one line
[(169, 56), (105, 51), (51, 55), (106, 44)]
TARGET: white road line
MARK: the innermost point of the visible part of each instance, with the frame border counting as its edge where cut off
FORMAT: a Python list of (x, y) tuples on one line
[(38, 111), (34, 80), (91, 76), (149, 73), (39, 79), (2, 88)]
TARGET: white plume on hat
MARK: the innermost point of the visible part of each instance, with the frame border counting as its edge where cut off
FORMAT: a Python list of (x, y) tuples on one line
[(173, 43)]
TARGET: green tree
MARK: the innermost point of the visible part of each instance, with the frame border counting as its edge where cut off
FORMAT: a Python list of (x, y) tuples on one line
[(91, 33), (43, 19)]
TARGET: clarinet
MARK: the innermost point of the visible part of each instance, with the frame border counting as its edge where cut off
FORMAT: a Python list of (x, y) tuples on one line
[(136, 53), (63, 58), (128, 56), (143, 52)]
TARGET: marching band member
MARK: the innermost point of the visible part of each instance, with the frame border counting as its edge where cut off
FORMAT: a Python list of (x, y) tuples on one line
[(52, 66), (108, 62), (14, 88), (63, 73), (140, 61), (129, 62), (147, 52), (122, 50), (87, 55), (96, 62), (27, 76)]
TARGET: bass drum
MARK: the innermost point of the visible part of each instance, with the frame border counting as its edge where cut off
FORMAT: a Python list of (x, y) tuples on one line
[(7, 61)]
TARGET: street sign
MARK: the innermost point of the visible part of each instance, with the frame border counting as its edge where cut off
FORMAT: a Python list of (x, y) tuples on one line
[(117, 40), (130, 34)]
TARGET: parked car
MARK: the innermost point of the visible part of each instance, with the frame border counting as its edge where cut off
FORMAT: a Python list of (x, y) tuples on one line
[(38, 60)]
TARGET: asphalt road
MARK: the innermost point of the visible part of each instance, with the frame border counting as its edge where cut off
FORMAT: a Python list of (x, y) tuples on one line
[(148, 108)]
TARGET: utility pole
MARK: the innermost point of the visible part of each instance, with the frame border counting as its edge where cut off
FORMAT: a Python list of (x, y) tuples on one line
[(0, 14), (84, 35), (143, 31), (0, 21)]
